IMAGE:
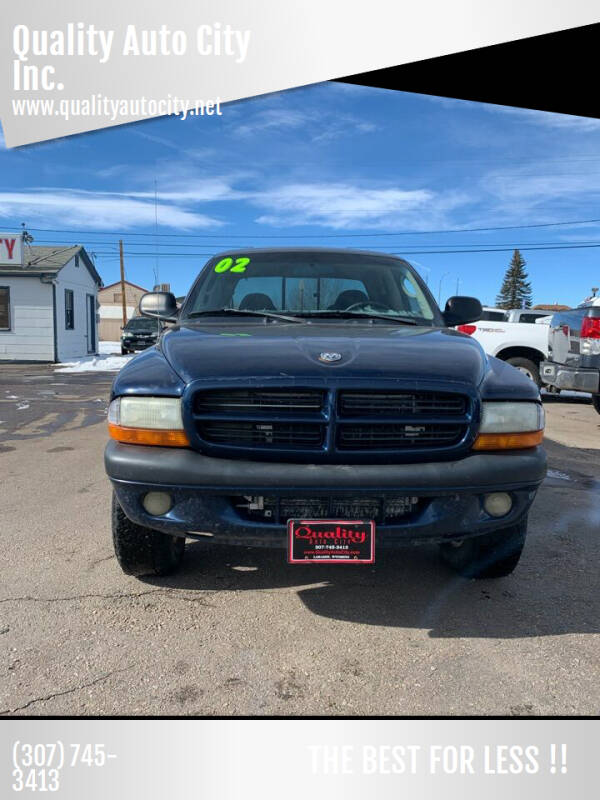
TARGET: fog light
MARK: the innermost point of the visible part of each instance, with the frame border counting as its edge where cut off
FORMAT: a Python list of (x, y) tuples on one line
[(157, 503), (497, 504)]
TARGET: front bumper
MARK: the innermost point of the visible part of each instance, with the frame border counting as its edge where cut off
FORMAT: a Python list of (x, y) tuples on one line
[(137, 344), (202, 488), (574, 378)]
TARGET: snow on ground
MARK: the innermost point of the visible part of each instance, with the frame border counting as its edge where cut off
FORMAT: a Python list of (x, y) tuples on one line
[(565, 393), (109, 347), (555, 473), (101, 363)]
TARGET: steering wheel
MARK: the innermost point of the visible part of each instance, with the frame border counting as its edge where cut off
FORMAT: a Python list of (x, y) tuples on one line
[(368, 304)]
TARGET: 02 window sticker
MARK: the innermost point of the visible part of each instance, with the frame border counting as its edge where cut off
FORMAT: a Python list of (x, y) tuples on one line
[(228, 265)]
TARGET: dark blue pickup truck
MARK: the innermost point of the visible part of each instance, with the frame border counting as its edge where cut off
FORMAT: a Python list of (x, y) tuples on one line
[(318, 400)]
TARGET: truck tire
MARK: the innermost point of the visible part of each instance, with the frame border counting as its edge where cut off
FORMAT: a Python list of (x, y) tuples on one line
[(596, 402), (124, 351), (142, 551), (493, 555), (527, 367)]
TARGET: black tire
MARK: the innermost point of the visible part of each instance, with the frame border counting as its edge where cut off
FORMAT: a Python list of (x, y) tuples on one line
[(528, 367), (493, 555), (124, 351), (596, 402), (142, 551)]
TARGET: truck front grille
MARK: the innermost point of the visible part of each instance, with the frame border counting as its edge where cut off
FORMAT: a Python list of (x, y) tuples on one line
[(278, 510), (263, 434), (393, 404), (244, 401), (330, 424), (412, 435)]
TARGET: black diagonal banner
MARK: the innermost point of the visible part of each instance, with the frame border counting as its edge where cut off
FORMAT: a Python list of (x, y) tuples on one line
[(554, 72)]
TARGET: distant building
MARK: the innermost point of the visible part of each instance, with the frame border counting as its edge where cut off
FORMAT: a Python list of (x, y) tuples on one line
[(550, 307), (48, 304), (111, 308)]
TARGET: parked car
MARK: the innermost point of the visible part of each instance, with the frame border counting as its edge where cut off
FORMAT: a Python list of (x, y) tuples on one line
[(523, 345), (526, 315), (513, 315), (574, 360), (319, 400), (139, 333), (492, 314)]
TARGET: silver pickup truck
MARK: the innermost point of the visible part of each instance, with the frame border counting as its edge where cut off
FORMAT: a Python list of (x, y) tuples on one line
[(574, 351)]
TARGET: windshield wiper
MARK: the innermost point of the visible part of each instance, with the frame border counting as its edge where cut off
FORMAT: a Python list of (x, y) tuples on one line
[(359, 315), (243, 312)]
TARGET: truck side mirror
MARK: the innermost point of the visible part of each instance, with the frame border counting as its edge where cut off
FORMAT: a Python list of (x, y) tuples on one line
[(159, 305), (460, 310)]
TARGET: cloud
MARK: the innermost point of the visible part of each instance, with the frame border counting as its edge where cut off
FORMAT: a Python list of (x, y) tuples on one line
[(341, 205), (543, 187), (201, 190), (150, 137), (97, 210), (274, 118), (316, 124), (546, 119), (197, 154)]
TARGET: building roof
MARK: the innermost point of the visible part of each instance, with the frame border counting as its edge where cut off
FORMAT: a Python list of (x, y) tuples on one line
[(129, 283), (48, 260)]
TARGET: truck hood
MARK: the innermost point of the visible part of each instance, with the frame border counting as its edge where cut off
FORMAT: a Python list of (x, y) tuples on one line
[(256, 351)]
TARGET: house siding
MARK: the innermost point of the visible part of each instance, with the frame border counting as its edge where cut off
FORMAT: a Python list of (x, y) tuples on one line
[(111, 308), (31, 337), (74, 343)]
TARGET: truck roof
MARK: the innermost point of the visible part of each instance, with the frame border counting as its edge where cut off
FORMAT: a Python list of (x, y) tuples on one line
[(333, 250)]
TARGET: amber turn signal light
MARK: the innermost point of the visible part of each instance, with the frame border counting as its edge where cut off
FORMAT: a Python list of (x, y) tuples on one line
[(508, 441), (158, 438)]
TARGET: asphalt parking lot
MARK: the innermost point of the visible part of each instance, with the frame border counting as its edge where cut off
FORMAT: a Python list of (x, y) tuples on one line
[(238, 631)]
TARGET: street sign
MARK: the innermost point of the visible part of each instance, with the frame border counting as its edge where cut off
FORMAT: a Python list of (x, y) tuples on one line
[(11, 250)]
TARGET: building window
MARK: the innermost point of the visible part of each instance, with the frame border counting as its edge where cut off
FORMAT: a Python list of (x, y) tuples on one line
[(117, 297), (69, 310), (4, 308), (77, 260)]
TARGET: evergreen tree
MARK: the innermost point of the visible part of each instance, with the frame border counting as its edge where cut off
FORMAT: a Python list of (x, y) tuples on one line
[(516, 289)]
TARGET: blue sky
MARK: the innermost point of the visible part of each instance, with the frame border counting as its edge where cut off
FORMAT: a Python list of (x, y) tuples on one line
[(325, 160)]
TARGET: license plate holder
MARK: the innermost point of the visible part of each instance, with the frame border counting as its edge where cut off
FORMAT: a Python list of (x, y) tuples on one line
[(331, 541)]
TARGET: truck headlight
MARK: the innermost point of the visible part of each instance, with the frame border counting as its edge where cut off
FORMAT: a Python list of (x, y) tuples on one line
[(510, 426), (147, 420)]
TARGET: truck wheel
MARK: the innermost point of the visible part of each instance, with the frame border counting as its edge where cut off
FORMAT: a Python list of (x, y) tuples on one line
[(527, 367), (124, 351), (596, 402), (142, 551), (493, 555)]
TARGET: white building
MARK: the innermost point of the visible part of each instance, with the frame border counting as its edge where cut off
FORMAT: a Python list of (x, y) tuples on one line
[(48, 305)]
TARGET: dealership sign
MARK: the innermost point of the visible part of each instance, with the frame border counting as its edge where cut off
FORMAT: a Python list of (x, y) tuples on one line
[(11, 250)]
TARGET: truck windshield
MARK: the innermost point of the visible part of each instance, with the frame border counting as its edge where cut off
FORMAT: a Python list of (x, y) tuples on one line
[(312, 285), (140, 324)]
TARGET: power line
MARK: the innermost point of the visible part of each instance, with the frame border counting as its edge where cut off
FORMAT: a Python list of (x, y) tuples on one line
[(406, 252), (225, 245), (319, 235)]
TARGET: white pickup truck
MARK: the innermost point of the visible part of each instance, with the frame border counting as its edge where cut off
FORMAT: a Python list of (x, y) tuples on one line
[(522, 344)]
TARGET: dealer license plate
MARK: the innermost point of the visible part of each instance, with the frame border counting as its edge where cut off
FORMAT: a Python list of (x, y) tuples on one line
[(331, 541)]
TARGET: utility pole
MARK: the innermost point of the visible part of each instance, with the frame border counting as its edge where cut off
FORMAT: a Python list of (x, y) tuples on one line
[(123, 283)]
